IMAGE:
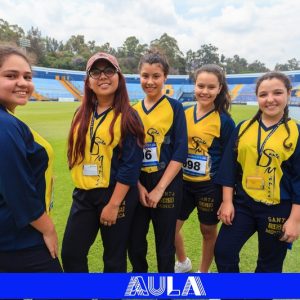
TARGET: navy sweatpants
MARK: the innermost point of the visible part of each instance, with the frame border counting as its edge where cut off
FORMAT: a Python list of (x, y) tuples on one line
[(30, 260), (83, 226), (164, 218), (251, 217)]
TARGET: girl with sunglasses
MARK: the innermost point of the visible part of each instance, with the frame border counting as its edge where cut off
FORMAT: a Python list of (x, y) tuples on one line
[(105, 155)]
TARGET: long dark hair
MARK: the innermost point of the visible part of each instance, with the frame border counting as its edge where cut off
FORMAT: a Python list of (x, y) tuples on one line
[(223, 100), (129, 121), (285, 118)]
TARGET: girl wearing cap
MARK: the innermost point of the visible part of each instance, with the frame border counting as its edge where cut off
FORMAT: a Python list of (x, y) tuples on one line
[(209, 128), (160, 183), (104, 154), (261, 181), (28, 239)]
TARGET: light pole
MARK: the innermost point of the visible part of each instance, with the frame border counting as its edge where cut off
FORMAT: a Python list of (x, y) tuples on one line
[(24, 43)]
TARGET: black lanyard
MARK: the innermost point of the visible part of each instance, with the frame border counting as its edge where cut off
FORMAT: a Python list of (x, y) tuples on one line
[(93, 134), (260, 148)]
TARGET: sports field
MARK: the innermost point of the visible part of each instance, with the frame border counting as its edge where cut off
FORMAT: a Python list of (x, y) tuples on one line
[(52, 121)]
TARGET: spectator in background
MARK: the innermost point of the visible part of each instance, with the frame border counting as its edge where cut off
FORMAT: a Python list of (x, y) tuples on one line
[(105, 155), (28, 239)]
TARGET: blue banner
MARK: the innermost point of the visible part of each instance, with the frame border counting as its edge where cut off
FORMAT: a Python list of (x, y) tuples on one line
[(143, 286)]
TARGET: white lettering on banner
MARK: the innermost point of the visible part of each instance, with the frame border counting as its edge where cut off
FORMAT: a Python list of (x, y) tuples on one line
[(152, 290), (137, 287)]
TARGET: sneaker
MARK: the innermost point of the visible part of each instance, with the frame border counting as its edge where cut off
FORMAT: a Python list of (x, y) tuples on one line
[(201, 272), (183, 267)]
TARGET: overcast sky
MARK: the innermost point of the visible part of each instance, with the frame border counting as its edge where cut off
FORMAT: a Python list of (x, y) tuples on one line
[(267, 30)]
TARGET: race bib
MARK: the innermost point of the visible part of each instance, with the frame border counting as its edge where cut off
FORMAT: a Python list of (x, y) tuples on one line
[(150, 155), (195, 165)]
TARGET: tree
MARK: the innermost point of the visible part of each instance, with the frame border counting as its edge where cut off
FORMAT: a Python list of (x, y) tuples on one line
[(106, 48), (207, 54), (190, 61), (75, 52), (92, 46), (37, 45), (10, 33), (76, 44), (169, 46), (52, 45), (291, 65), (78, 62), (130, 53), (132, 47), (257, 67), (60, 60), (236, 65)]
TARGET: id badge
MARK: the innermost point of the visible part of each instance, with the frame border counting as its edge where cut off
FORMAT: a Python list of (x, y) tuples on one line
[(90, 170), (195, 165), (255, 183), (150, 155)]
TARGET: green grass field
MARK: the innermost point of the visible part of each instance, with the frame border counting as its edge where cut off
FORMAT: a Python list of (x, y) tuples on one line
[(52, 121)]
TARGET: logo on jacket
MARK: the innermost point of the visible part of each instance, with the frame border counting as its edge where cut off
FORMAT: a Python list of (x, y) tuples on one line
[(196, 143)]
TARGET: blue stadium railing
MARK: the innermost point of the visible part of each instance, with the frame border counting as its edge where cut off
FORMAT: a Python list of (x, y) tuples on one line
[(178, 86)]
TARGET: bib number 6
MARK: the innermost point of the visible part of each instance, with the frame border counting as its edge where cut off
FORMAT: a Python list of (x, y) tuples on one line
[(147, 154)]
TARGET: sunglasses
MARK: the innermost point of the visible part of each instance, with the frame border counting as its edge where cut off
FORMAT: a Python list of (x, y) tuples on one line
[(95, 73)]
